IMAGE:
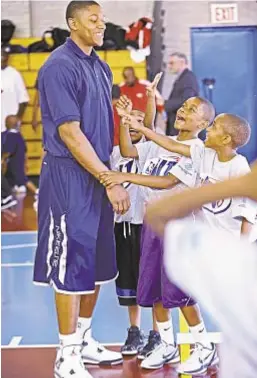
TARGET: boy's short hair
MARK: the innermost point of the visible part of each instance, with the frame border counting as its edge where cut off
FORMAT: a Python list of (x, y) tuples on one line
[(238, 129), (209, 110)]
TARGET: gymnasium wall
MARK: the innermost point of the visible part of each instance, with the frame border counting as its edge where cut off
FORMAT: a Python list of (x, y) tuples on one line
[(32, 18), (180, 16)]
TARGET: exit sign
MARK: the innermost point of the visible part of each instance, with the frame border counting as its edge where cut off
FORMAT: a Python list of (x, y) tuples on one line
[(224, 13)]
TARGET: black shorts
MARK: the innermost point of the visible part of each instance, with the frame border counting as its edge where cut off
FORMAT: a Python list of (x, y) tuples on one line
[(127, 237)]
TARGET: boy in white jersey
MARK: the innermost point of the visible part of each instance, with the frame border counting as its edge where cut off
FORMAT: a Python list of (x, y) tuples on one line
[(128, 227), (224, 280), (214, 162), (127, 235), (154, 289)]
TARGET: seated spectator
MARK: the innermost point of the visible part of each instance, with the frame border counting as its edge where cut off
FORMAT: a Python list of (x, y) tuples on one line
[(135, 90), (14, 146), (14, 95), (7, 199)]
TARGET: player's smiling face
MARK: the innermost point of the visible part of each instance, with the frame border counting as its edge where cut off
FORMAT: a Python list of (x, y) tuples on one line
[(90, 25), (215, 136), (190, 115)]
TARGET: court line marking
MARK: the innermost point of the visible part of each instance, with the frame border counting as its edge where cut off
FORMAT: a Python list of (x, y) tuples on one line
[(15, 341), (17, 246), (45, 346), (182, 338), (19, 232), (17, 265)]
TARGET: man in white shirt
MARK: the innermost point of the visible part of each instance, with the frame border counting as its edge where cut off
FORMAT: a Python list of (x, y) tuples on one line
[(14, 96)]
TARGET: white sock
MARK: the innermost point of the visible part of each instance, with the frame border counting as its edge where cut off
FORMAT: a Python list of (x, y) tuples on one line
[(166, 331), (68, 342), (200, 334), (84, 328)]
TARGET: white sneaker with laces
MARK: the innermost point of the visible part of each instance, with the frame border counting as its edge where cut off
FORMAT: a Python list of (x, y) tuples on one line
[(199, 361), (96, 354), (163, 354), (69, 363)]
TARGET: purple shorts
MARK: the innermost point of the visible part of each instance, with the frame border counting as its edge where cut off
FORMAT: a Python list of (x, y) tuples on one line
[(76, 245), (153, 284)]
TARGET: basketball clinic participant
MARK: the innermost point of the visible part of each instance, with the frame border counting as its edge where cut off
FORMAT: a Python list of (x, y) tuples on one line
[(222, 269), (128, 226)]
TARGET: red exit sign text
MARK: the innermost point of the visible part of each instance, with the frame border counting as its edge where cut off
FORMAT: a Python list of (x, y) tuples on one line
[(224, 13)]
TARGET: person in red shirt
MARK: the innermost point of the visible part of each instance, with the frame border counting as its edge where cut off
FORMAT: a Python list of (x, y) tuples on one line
[(135, 90)]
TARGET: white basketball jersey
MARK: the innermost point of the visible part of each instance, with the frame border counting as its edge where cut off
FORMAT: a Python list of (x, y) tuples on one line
[(129, 165), (159, 162), (223, 214)]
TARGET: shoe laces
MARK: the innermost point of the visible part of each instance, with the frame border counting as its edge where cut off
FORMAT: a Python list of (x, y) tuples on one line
[(75, 351), (91, 340), (152, 339), (131, 336), (198, 352)]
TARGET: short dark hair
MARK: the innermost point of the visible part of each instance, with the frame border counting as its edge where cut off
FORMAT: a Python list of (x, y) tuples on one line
[(209, 110), (181, 56), (128, 68), (75, 6), (238, 129)]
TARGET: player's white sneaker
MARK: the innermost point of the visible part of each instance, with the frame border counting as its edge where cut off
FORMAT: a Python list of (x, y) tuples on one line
[(69, 363), (163, 354), (199, 361), (94, 353)]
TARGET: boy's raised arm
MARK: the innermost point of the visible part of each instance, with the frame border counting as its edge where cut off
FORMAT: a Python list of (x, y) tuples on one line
[(162, 140), (151, 102)]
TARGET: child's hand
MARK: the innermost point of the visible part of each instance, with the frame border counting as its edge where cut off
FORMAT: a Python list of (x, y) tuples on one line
[(124, 106), (151, 88), (110, 178), (132, 123)]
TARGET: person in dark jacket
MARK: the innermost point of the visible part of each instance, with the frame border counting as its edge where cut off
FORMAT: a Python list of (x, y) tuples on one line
[(185, 86)]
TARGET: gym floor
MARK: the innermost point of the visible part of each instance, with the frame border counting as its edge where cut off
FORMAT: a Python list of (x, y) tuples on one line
[(29, 327)]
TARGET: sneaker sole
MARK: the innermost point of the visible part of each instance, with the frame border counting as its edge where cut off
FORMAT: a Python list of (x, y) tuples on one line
[(57, 375), (201, 371), (103, 363), (129, 353), (139, 357)]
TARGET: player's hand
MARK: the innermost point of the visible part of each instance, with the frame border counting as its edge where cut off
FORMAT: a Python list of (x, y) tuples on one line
[(119, 199), (124, 106), (151, 88), (110, 178), (132, 123)]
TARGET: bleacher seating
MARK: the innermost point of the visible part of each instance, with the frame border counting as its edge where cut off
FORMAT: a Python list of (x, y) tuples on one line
[(29, 65)]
